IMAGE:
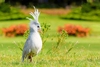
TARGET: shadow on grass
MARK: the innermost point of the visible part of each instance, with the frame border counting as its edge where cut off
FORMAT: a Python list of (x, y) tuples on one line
[(12, 19), (79, 19)]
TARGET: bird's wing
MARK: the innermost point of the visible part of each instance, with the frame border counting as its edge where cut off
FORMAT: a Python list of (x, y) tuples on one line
[(27, 44)]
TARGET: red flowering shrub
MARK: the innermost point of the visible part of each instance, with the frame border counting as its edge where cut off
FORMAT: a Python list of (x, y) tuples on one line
[(74, 30), (15, 30)]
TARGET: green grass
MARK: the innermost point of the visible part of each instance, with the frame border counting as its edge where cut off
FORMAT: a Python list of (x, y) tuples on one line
[(86, 52)]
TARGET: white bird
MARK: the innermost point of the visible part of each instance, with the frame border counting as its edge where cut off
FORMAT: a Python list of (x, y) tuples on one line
[(33, 43)]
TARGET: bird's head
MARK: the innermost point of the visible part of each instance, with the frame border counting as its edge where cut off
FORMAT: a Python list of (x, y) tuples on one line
[(34, 23), (35, 27)]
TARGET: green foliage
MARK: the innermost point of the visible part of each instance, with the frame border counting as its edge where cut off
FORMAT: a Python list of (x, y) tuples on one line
[(10, 13), (5, 8), (88, 7), (45, 28), (77, 14), (61, 39), (1, 1), (88, 11)]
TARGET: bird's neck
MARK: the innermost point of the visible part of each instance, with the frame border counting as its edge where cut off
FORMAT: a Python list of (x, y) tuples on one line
[(33, 32)]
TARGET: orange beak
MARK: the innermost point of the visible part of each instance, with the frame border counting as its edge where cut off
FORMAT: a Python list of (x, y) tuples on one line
[(39, 30)]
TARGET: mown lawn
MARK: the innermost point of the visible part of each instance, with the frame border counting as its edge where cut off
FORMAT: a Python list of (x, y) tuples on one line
[(86, 53)]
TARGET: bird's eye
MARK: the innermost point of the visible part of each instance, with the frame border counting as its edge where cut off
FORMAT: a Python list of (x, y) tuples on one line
[(37, 26)]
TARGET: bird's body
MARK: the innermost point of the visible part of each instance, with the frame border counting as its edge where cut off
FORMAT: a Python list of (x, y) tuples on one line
[(33, 43)]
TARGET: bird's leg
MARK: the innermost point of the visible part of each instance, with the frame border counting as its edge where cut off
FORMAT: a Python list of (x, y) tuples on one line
[(30, 57)]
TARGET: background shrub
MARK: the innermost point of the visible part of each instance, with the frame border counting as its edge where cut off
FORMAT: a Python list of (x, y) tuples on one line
[(88, 7), (4, 7), (15, 30), (10, 13), (74, 30), (88, 11)]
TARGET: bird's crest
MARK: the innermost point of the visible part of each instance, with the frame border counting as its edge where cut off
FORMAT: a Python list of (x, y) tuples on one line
[(35, 15)]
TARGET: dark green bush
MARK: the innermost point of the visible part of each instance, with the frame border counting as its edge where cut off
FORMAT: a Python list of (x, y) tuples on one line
[(5, 8), (10, 13), (96, 5), (88, 11), (86, 7)]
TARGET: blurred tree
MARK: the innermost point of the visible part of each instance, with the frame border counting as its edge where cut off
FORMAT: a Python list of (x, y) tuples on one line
[(92, 1), (38, 2), (1, 1)]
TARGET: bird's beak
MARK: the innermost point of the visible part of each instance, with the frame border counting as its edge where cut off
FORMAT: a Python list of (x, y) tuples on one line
[(39, 30)]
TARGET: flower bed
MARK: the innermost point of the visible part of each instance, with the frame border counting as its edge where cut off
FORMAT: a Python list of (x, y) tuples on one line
[(75, 30), (15, 30)]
